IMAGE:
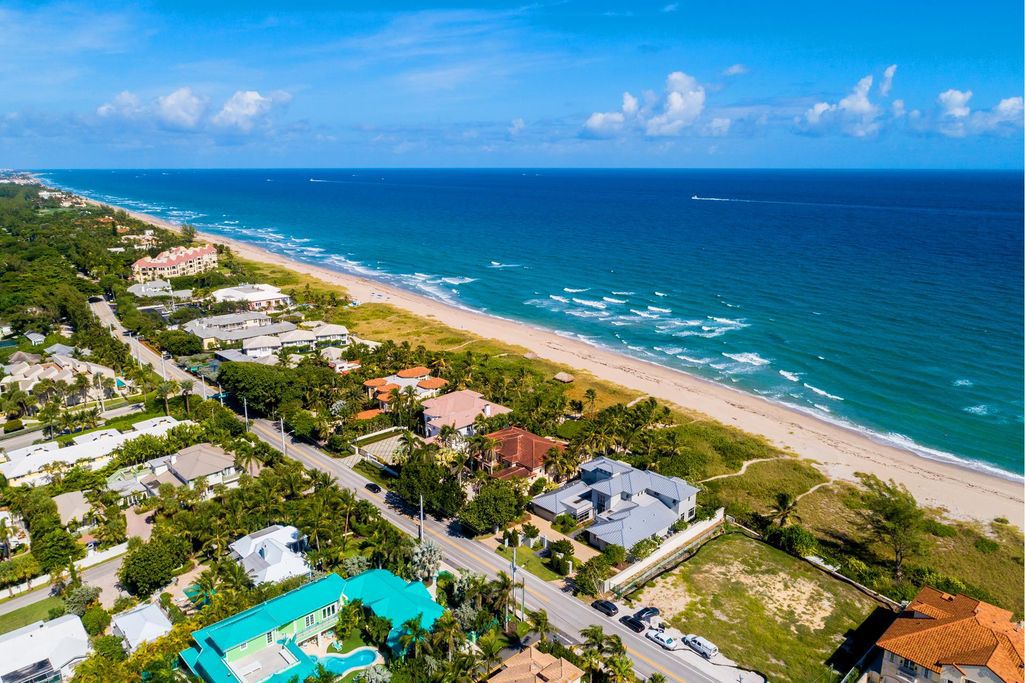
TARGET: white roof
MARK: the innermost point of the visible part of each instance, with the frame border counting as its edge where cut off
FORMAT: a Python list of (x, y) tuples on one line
[(60, 641), (141, 624), (33, 458), (330, 330), (262, 342), (250, 293), (297, 336), (71, 505), (266, 555)]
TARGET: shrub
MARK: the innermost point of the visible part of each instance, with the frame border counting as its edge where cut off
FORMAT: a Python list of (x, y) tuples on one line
[(937, 528), (615, 554), (109, 647), (539, 485), (77, 600), (1002, 520), (986, 545), (563, 523), (643, 548), (591, 576), (95, 620), (180, 343), (13, 426), (794, 539), (561, 547)]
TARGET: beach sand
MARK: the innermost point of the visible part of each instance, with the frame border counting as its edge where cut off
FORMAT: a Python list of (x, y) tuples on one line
[(839, 452)]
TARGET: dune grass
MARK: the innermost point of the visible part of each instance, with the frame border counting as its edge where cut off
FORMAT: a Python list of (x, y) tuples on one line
[(756, 489)]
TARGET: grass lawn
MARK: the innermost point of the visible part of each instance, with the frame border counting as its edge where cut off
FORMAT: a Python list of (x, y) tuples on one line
[(28, 614), (526, 558), (756, 489), (763, 608), (374, 474)]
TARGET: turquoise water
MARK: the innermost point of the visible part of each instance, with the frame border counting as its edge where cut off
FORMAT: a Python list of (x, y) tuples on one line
[(343, 664), (890, 302)]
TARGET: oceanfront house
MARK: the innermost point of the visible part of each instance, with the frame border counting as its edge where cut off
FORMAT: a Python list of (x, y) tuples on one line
[(139, 241), (297, 339), (43, 652), (943, 638), (62, 368), (533, 666), (142, 624), (36, 464), (234, 328), (175, 262), (519, 454), (261, 347), (158, 289), (74, 510), (203, 462), (460, 410), (35, 339), (331, 334), (271, 554), (418, 378), (258, 297), (626, 504), (265, 642)]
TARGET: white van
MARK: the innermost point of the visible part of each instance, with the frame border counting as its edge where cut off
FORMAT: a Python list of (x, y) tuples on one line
[(701, 646)]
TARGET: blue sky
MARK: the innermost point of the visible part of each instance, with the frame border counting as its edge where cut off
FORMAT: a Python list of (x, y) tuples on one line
[(588, 83)]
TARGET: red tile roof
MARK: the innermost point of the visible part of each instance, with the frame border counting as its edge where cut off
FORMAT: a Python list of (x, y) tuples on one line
[(432, 383), (368, 414), (518, 447), (410, 373), (175, 256), (375, 382), (957, 631)]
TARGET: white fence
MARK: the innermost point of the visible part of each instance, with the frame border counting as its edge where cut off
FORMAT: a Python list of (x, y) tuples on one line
[(90, 560), (674, 545)]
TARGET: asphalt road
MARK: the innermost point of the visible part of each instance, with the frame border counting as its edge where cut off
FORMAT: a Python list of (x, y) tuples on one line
[(102, 575), (566, 613)]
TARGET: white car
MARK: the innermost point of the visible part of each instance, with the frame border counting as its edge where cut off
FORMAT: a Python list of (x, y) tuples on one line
[(660, 637), (701, 646)]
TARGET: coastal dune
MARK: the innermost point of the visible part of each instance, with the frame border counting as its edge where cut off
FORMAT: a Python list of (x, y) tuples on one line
[(839, 452)]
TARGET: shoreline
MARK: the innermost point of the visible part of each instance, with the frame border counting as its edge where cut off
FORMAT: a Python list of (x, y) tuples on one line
[(839, 451)]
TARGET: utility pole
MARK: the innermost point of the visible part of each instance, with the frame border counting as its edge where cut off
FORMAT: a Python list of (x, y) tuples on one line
[(245, 407), (421, 518), (284, 446), (163, 368)]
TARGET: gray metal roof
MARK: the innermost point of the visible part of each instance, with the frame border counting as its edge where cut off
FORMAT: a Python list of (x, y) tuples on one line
[(632, 523)]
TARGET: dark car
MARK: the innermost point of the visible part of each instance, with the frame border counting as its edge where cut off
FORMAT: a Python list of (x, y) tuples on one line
[(634, 624), (373, 488), (605, 607), (646, 613)]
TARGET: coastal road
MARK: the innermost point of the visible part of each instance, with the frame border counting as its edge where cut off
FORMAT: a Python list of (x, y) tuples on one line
[(566, 613)]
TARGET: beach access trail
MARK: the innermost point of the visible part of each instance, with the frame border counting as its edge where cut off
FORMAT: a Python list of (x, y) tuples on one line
[(838, 452)]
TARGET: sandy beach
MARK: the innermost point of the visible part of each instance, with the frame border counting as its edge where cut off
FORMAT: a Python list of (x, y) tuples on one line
[(839, 452)]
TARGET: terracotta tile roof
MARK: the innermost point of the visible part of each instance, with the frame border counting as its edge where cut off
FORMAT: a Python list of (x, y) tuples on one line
[(410, 373), (459, 409), (534, 666), (368, 414), (384, 397), (518, 447), (957, 631), (432, 383), (387, 388), (375, 382), (174, 256)]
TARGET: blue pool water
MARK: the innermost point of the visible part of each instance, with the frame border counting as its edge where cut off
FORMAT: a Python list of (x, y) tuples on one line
[(343, 664), (889, 301)]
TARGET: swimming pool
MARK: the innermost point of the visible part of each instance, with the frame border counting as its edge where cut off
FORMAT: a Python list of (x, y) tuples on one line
[(359, 658)]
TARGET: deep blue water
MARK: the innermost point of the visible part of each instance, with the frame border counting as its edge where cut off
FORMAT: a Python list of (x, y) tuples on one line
[(887, 300)]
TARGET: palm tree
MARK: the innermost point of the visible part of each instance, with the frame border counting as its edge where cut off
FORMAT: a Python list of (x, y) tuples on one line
[(501, 590), (164, 391), (591, 396), (5, 537), (186, 386), (539, 624), (656, 678), (233, 577), (619, 669), (784, 508), (414, 638), (447, 633), (490, 648)]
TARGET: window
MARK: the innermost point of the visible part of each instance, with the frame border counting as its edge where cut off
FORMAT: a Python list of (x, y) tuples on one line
[(270, 637), (309, 620), (328, 611), (243, 646)]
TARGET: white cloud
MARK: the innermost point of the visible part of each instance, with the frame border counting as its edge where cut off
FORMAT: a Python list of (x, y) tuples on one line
[(897, 108), (956, 118), (517, 126), (954, 103), (853, 115), (181, 109), (685, 99), (735, 70), (125, 104), (671, 7), (247, 107), (629, 104), (719, 126), (887, 82), (605, 124)]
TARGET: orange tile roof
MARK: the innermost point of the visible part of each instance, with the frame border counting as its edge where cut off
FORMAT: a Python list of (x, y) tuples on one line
[(432, 383), (368, 414), (518, 447), (410, 373), (384, 397), (387, 388), (375, 382), (957, 631)]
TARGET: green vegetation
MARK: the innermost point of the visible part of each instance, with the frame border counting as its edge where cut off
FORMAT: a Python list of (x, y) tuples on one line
[(763, 608), (526, 558), (754, 492), (28, 614)]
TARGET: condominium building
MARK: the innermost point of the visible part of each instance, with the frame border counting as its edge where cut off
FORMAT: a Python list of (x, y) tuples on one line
[(175, 262)]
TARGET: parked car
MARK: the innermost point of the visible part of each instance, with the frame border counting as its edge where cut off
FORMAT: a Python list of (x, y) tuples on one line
[(605, 607), (647, 613), (634, 624), (373, 488), (701, 646), (660, 637)]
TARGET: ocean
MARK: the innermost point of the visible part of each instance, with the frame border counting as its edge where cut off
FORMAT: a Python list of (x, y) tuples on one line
[(888, 301)]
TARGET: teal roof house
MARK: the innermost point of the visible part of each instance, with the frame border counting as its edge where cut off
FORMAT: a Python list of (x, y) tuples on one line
[(261, 644)]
